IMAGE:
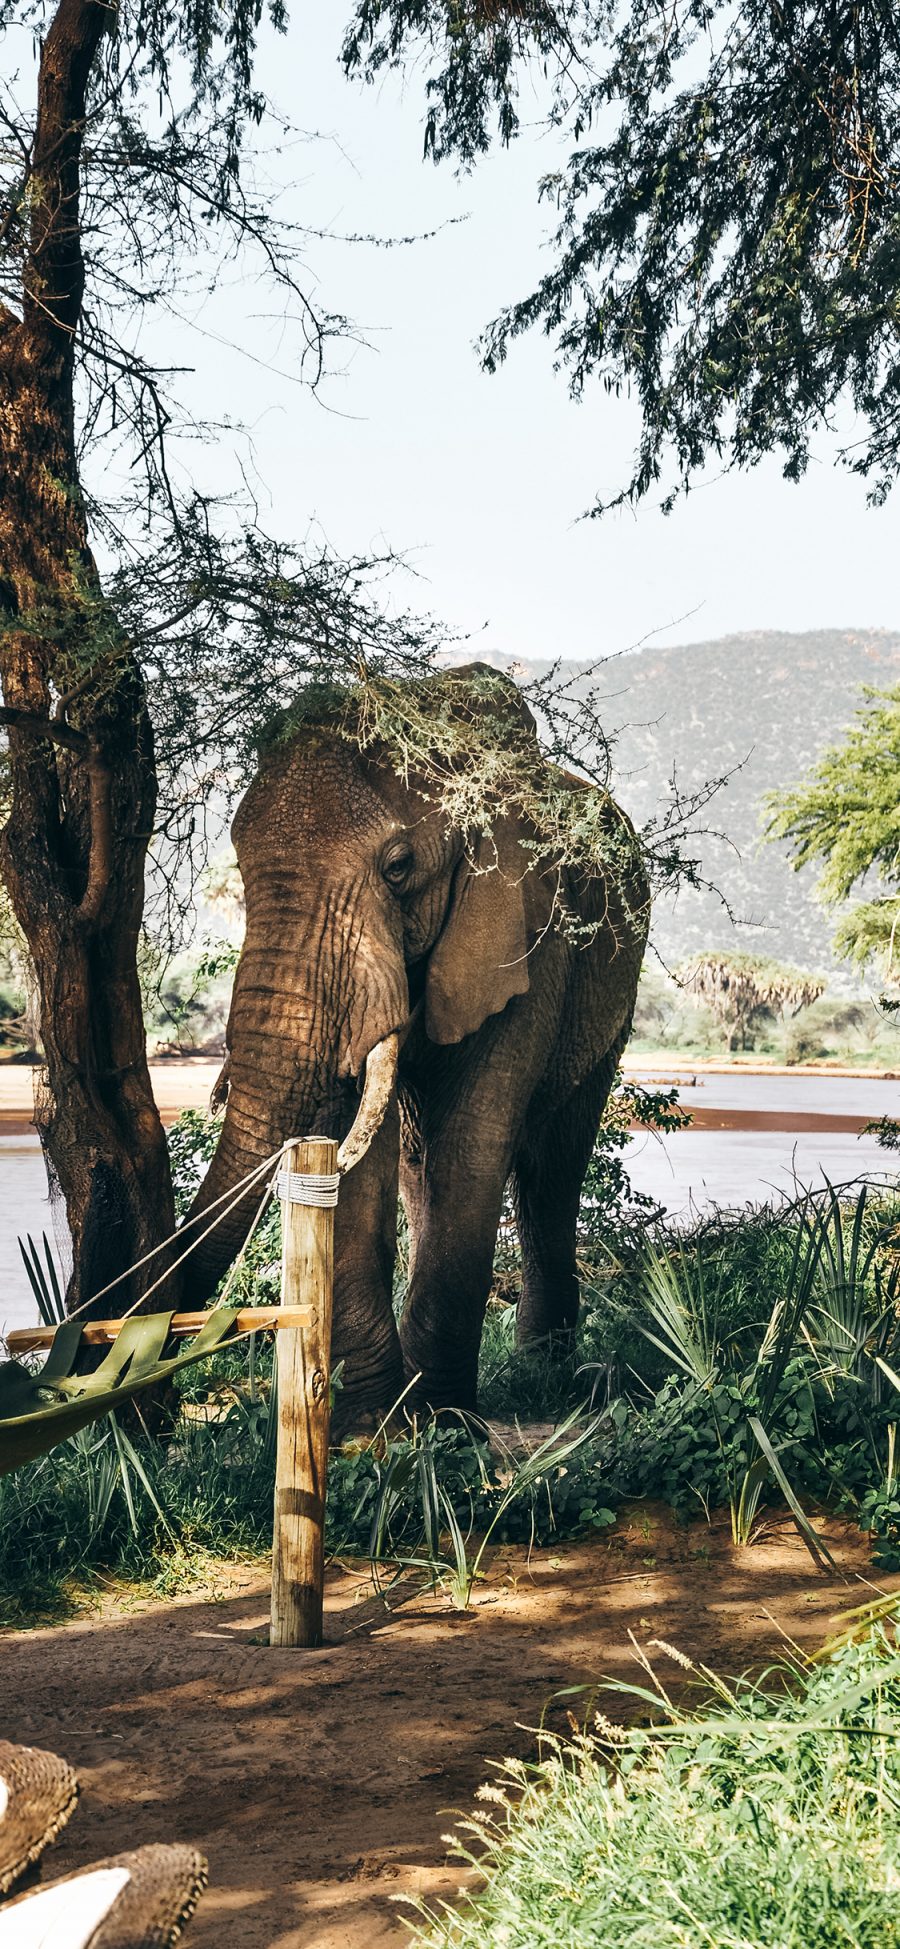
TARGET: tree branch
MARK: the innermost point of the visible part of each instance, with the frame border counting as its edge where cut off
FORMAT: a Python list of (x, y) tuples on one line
[(99, 772), (45, 727)]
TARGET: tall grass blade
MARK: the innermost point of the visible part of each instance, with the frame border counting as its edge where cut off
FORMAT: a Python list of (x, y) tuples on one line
[(44, 1284), (129, 1458), (818, 1549)]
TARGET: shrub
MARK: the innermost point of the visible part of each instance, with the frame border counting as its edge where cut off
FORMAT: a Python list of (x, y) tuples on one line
[(770, 1820)]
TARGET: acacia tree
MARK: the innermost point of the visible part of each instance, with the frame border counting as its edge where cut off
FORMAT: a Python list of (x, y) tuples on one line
[(741, 988), (844, 816), (122, 151), (726, 243), (139, 660)]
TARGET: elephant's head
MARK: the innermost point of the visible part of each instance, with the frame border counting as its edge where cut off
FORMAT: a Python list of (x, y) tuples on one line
[(362, 905)]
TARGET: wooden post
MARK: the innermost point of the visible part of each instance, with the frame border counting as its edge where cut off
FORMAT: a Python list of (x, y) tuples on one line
[(307, 1273)]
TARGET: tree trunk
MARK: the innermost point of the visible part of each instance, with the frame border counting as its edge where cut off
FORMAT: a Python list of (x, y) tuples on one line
[(81, 748)]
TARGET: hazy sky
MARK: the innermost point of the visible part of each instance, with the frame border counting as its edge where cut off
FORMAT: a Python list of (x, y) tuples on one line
[(482, 480)]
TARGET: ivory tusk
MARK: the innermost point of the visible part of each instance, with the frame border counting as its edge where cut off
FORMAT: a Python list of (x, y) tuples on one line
[(381, 1075)]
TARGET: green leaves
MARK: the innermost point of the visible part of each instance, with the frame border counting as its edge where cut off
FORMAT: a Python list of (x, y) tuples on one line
[(803, 1381), (725, 241), (844, 816)]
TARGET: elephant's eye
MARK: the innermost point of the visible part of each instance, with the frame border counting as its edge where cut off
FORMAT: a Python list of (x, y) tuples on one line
[(398, 866)]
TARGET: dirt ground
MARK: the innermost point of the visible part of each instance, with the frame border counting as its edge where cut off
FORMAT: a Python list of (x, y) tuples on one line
[(321, 1784)]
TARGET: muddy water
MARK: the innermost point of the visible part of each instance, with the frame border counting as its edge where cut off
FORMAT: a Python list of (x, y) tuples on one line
[(817, 1123), (759, 1137)]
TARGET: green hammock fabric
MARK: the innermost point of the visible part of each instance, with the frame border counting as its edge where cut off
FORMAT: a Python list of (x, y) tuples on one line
[(39, 1410)]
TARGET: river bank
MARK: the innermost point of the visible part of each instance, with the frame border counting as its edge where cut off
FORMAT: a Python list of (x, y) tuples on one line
[(181, 1083), (186, 1082), (749, 1065)]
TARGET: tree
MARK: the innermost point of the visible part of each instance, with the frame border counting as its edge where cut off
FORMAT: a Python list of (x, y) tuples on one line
[(146, 642), (116, 184), (726, 241), (741, 988), (845, 814)]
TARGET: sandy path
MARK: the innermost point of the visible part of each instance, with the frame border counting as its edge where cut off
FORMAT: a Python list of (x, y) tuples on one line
[(320, 1784), (186, 1084)]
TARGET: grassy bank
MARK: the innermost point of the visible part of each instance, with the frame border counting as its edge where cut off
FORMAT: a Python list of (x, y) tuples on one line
[(767, 1820)]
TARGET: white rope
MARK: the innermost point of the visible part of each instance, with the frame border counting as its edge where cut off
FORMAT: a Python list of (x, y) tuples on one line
[(235, 1194), (235, 1266), (145, 1295), (292, 1187), (308, 1188)]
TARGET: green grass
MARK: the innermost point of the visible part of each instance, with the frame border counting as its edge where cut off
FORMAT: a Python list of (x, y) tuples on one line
[(768, 1820), (84, 1513)]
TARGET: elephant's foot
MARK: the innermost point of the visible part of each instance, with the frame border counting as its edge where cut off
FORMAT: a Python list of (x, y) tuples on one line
[(355, 1429), (547, 1312), (540, 1335), (361, 1404), (434, 1390)]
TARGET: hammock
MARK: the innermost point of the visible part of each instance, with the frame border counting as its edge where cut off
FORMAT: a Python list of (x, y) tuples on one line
[(39, 1410)]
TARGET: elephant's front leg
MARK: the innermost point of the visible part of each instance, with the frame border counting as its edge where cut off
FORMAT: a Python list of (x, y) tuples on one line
[(364, 1334), (453, 1197)]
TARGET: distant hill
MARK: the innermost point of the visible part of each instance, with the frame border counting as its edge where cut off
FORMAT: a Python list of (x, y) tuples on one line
[(769, 703)]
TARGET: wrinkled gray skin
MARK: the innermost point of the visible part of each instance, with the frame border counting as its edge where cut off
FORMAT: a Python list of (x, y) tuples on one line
[(365, 916)]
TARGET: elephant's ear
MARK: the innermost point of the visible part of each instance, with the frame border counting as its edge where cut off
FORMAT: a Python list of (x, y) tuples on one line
[(481, 959)]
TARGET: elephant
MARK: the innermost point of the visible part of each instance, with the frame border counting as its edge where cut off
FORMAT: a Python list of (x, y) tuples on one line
[(383, 941)]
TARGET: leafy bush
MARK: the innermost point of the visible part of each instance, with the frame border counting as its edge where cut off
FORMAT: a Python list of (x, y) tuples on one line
[(256, 1277), (611, 1211), (770, 1820)]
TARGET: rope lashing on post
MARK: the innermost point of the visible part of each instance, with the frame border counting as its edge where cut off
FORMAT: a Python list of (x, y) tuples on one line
[(39, 1409), (308, 1188)]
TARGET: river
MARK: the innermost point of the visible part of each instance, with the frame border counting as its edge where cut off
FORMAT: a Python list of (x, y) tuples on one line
[(817, 1120), (734, 1166)]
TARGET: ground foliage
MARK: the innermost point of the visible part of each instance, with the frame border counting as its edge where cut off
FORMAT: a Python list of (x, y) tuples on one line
[(766, 1815), (725, 243), (750, 1363)]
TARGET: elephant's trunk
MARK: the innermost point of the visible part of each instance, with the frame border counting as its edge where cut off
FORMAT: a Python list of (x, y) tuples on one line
[(254, 1126)]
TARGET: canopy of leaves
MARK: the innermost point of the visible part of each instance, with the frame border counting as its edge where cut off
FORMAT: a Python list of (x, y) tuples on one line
[(846, 815), (727, 242)]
